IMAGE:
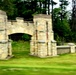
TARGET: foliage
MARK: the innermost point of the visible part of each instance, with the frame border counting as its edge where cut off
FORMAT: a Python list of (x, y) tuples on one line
[(8, 6), (26, 37), (72, 36), (24, 8), (63, 5), (62, 29), (73, 16), (61, 25)]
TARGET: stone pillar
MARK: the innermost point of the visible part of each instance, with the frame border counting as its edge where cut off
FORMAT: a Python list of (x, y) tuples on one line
[(49, 48), (3, 27), (9, 48), (32, 48), (44, 34), (36, 48), (42, 48), (53, 48), (72, 47), (3, 49)]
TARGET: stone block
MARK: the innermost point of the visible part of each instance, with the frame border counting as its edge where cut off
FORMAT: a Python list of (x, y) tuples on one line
[(4, 55), (53, 48), (72, 47)]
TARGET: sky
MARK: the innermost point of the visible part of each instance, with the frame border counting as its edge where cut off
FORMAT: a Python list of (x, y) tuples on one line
[(69, 7)]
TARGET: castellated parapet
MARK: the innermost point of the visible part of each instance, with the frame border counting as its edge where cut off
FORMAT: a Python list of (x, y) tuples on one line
[(20, 26)]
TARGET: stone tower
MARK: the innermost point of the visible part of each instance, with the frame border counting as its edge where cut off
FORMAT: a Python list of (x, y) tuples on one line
[(42, 43), (3, 20), (4, 42)]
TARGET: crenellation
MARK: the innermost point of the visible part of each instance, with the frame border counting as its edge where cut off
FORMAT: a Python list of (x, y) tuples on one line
[(19, 19), (2, 13)]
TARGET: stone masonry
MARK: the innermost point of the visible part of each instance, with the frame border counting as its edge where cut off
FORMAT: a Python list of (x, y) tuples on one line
[(42, 42)]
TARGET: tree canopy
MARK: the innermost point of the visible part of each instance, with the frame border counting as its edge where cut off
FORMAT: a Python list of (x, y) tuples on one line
[(24, 8)]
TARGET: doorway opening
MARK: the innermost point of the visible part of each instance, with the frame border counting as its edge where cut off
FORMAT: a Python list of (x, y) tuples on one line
[(20, 45)]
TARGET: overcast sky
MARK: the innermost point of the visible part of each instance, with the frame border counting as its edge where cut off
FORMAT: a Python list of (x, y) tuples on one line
[(69, 7)]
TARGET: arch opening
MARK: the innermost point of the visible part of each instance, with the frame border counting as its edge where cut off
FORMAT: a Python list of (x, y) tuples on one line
[(20, 36), (20, 45)]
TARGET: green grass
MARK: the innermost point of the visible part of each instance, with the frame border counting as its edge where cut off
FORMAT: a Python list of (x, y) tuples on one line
[(24, 64)]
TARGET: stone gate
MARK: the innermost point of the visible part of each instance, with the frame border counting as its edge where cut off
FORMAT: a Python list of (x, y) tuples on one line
[(42, 42)]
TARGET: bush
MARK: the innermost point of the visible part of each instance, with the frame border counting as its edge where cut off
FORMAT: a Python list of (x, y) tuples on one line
[(26, 37)]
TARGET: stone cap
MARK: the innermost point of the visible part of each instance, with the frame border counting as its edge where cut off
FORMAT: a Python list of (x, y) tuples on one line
[(41, 41), (71, 44), (9, 40), (53, 41), (64, 47), (2, 12), (3, 41), (42, 16)]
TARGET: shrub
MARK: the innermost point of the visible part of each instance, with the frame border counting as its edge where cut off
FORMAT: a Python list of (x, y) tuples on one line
[(26, 37)]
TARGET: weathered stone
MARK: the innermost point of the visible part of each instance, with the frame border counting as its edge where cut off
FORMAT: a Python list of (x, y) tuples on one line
[(53, 48), (40, 30), (72, 47)]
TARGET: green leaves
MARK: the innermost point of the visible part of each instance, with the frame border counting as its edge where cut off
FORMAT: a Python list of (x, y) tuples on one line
[(61, 25), (8, 6)]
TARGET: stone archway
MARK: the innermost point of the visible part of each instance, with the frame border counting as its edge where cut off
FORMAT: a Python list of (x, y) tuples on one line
[(42, 42), (20, 47)]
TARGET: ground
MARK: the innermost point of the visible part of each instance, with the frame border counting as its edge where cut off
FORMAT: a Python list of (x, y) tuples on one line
[(24, 64)]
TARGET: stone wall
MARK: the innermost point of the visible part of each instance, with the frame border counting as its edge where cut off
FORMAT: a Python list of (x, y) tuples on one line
[(70, 48), (63, 49), (20, 26), (5, 49)]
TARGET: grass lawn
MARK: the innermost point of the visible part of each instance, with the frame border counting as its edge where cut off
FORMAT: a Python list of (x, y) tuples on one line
[(24, 64)]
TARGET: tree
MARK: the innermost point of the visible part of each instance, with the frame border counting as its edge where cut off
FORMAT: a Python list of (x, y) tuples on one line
[(73, 15), (8, 6), (24, 8), (63, 5), (61, 25)]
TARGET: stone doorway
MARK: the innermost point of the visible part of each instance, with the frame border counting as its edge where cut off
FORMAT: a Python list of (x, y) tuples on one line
[(20, 45)]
